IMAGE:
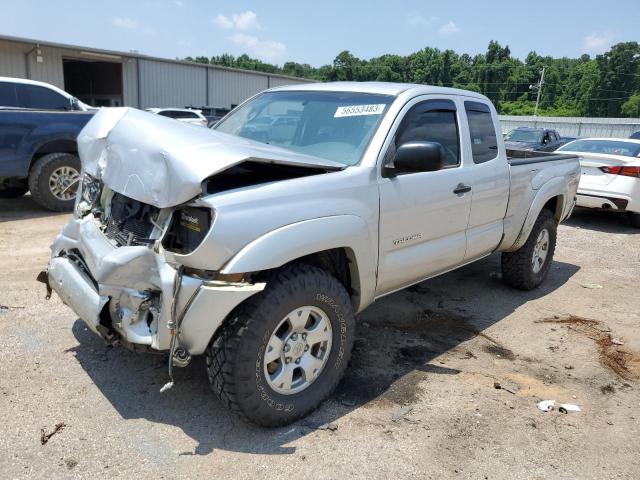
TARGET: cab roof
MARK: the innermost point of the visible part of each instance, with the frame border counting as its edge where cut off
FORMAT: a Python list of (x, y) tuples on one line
[(379, 88)]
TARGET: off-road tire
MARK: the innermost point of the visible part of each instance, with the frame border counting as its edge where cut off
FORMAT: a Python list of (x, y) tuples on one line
[(14, 190), (235, 357), (517, 268), (39, 180), (634, 219)]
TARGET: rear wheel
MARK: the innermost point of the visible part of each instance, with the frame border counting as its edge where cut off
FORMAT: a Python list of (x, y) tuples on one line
[(54, 181), (634, 219), (527, 267), (284, 350), (14, 189)]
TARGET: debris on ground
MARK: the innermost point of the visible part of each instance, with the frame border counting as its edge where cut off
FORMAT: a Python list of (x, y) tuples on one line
[(620, 361), (397, 415), (507, 388), (591, 286), (328, 426), (71, 463), (546, 405), (44, 437), (608, 388), (568, 407), (617, 341), (500, 351), (6, 308)]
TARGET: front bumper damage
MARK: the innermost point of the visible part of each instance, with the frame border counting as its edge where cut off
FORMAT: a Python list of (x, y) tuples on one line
[(126, 294)]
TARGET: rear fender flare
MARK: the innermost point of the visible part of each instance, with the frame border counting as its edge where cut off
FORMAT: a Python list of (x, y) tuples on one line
[(553, 188)]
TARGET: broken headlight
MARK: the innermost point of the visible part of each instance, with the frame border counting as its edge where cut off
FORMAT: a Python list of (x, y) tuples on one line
[(90, 189), (189, 226), (87, 195)]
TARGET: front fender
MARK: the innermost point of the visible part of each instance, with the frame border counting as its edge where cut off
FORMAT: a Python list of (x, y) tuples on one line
[(297, 240)]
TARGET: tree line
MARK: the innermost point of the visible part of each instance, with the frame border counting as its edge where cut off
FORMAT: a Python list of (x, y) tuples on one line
[(605, 86)]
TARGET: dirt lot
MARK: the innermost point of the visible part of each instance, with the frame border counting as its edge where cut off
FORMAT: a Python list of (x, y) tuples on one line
[(418, 402)]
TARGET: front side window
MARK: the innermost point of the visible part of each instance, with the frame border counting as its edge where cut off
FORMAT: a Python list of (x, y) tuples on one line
[(8, 95), (41, 98), (608, 147), (484, 142), (432, 121), (334, 126)]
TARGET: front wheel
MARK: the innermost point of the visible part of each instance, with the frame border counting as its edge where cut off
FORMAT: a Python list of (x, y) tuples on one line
[(528, 266), (284, 350)]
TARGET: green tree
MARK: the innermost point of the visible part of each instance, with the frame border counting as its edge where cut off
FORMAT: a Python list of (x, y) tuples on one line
[(631, 108), (603, 86), (619, 78)]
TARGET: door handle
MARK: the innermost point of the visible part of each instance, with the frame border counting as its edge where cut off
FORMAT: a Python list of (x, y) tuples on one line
[(462, 188)]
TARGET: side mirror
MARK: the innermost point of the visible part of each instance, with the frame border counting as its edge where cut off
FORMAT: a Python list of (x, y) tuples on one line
[(418, 157), (74, 103)]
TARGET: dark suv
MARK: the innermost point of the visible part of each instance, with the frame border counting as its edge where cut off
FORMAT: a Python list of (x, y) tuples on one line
[(39, 124)]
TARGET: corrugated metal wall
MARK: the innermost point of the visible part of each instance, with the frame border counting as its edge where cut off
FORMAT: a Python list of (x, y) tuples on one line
[(130, 82), (281, 82), (50, 70), (228, 88), (171, 84), (146, 82), (12, 60), (575, 126)]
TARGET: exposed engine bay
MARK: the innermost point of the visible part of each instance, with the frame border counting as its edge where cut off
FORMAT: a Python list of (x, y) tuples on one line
[(129, 222)]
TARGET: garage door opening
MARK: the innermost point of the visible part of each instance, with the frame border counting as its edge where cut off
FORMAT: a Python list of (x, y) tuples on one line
[(95, 83)]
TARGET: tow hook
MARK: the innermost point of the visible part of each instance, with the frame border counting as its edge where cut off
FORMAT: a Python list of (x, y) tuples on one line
[(181, 358)]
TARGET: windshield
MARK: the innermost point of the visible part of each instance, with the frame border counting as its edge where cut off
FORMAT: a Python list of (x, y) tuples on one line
[(609, 147), (529, 136), (331, 125)]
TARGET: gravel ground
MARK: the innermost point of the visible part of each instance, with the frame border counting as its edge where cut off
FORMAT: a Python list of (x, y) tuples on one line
[(419, 399)]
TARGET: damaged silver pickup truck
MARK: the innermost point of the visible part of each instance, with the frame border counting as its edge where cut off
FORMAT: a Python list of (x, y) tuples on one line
[(257, 242)]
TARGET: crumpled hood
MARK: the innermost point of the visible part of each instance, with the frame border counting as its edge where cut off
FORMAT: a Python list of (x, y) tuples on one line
[(161, 161)]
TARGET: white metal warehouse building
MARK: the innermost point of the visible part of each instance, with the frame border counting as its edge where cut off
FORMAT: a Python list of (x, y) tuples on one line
[(110, 78)]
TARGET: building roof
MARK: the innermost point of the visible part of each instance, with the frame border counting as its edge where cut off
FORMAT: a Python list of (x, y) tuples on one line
[(115, 53)]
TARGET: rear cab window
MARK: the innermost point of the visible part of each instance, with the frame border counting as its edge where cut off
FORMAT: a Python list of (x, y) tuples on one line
[(484, 140)]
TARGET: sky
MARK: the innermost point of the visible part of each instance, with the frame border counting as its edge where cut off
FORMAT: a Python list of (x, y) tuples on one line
[(277, 31)]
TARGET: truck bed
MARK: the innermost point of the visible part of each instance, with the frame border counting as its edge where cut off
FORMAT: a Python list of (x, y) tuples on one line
[(525, 157)]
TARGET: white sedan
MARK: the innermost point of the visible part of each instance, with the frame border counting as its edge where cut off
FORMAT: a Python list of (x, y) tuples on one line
[(610, 177), (184, 115)]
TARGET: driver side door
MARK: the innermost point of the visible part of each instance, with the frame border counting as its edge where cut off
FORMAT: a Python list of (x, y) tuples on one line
[(424, 215)]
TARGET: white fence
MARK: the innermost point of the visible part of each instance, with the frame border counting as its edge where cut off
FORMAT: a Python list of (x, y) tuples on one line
[(575, 126)]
